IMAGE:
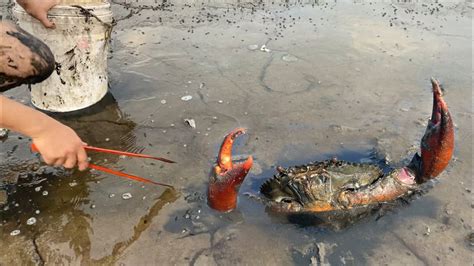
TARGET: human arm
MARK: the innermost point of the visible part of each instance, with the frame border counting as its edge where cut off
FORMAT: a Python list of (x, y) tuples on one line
[(58, 144), (39, 10), (24, 59)]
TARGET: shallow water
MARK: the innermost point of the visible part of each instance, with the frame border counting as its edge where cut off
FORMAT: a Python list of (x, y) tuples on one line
[(347, 80)]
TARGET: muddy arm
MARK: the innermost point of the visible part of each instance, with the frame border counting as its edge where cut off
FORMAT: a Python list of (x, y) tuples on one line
[(24, 59)]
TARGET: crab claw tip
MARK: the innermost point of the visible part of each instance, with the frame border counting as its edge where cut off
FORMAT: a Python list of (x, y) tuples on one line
[(223, 188), (438, 142), (248, 164), (224, 159)]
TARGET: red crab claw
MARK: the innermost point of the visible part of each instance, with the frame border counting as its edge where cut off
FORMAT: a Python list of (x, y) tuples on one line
[(437, 144), (225, 183)]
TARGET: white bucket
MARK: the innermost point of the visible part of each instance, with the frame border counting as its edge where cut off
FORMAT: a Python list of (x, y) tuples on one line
[(80, 45)]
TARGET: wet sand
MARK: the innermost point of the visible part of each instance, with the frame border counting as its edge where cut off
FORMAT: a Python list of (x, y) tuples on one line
[(347, 80)]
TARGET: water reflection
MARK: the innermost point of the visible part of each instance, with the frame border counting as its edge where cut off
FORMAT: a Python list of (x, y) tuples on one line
[(58, 198)]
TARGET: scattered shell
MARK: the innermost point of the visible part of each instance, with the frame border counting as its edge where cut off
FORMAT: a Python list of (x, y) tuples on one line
[(126, 196), (111, 195), (186, 98), (220, 101), (202, 85), (31, 221), (252, 47), (93, 206), (38, 188), (289, 58), (190, 122), (73, 183), (214, 117), (265, 49), (37, 211), (428, 231), (45, 193), (15, 232), (185, 145), (4, 133), (164, 101)]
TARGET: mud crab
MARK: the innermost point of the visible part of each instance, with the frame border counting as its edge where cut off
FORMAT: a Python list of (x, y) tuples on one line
[(334, 185)]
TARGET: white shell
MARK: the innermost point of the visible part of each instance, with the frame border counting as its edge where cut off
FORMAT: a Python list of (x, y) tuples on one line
[(31, 221), (190, 122), (126, 196), (186, 98)]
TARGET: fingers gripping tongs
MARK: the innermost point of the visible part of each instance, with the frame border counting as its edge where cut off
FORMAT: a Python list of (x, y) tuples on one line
[(118, 173)]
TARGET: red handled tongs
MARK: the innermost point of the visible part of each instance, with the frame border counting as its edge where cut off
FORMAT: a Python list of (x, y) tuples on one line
[(118, 173)]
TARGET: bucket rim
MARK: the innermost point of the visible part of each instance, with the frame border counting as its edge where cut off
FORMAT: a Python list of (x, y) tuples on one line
[(61, 10)]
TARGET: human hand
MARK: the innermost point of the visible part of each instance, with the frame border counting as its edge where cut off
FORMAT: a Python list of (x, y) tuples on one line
[(59, 145), (39, 10)]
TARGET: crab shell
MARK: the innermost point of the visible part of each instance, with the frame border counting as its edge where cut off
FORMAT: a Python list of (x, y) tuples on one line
[(330, 185)]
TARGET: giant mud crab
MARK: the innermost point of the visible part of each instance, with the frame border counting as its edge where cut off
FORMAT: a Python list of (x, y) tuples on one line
[(334, 185)]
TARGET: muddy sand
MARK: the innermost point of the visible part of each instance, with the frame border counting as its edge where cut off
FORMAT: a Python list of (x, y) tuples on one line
[(347, 80)]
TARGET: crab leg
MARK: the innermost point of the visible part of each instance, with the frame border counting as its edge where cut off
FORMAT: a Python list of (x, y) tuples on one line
[(227, 177)]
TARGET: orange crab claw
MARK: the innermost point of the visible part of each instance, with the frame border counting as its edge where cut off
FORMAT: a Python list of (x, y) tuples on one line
[(437, 144), (225, 182)]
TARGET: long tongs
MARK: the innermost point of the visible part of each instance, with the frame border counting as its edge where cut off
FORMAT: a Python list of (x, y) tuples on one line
[(118, 173)]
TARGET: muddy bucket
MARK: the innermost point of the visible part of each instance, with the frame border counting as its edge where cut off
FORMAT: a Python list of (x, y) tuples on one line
[(80, 44)]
